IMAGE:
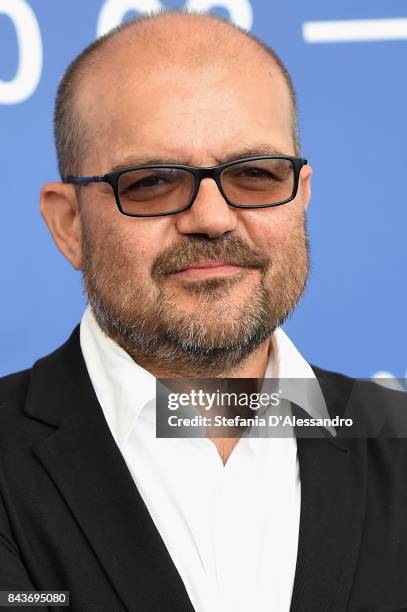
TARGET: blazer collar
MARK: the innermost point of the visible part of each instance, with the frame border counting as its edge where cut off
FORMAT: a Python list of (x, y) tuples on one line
[(82, 458)]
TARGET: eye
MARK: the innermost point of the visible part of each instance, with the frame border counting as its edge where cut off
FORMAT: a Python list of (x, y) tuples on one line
[(150, 183), (256, 173), (147, 182), (262, 172), (254, 176)]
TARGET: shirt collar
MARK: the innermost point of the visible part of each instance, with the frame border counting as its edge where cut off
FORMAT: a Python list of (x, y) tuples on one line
[(298, 380), (124, 388)]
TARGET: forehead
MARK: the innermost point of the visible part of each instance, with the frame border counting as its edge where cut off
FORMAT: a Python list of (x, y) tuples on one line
[(194, 111)]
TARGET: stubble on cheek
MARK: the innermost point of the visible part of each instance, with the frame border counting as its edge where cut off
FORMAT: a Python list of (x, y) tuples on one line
[(110, 273)]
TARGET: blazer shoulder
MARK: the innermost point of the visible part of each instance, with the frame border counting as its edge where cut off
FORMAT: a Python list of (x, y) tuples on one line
[(378, 410), (368, 387), (334, 377), (14, 387), (334, 385)]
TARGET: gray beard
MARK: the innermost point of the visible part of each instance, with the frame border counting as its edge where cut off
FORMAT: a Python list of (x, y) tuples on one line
[(187, 346), (163, 337)]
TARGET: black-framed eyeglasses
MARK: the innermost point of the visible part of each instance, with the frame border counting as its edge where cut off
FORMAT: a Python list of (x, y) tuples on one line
[(166, 189)]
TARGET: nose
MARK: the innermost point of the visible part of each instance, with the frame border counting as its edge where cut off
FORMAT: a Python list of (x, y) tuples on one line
[(209, 214)]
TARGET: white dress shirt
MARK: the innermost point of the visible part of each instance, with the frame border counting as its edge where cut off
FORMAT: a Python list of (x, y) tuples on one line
[(231, 530)]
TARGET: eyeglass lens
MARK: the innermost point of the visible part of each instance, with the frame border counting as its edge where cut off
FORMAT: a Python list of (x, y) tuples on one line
[(163, 190)]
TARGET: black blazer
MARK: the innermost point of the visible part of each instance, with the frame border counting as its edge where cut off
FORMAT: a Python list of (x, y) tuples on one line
[(71, 517)]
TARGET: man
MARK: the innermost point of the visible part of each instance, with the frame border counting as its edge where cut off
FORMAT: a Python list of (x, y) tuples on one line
[(183, 203)]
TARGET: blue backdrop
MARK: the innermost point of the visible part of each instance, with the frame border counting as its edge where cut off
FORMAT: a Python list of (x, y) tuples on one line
[(350, 74)]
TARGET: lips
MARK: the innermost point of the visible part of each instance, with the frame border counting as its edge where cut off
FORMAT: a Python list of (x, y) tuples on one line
[(199, 265), (207, 269)]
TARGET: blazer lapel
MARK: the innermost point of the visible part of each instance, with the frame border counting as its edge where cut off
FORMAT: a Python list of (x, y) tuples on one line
[(82, 458), (333, 495)]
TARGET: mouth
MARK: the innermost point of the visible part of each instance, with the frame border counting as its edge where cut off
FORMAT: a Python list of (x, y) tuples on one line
[(208, 269)]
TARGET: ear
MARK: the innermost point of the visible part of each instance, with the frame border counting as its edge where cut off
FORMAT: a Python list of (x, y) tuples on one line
[(60, 210), (305, 184)]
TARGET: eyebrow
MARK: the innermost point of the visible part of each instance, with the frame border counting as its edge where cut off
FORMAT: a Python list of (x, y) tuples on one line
[(141, 160)]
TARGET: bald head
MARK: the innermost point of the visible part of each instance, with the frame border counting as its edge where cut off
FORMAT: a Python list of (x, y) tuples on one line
[(94, 84)]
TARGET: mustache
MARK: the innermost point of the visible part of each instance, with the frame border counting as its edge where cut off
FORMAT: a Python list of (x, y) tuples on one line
[(230, 248)]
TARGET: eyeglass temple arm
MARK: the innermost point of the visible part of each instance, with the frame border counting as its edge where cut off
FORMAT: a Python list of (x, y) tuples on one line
[(82, 180)]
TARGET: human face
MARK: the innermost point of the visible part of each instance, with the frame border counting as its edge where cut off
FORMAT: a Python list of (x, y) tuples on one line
[(205, 287)]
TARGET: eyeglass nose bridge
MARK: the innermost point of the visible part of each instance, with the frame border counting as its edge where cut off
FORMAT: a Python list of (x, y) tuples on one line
[(202, 173)]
